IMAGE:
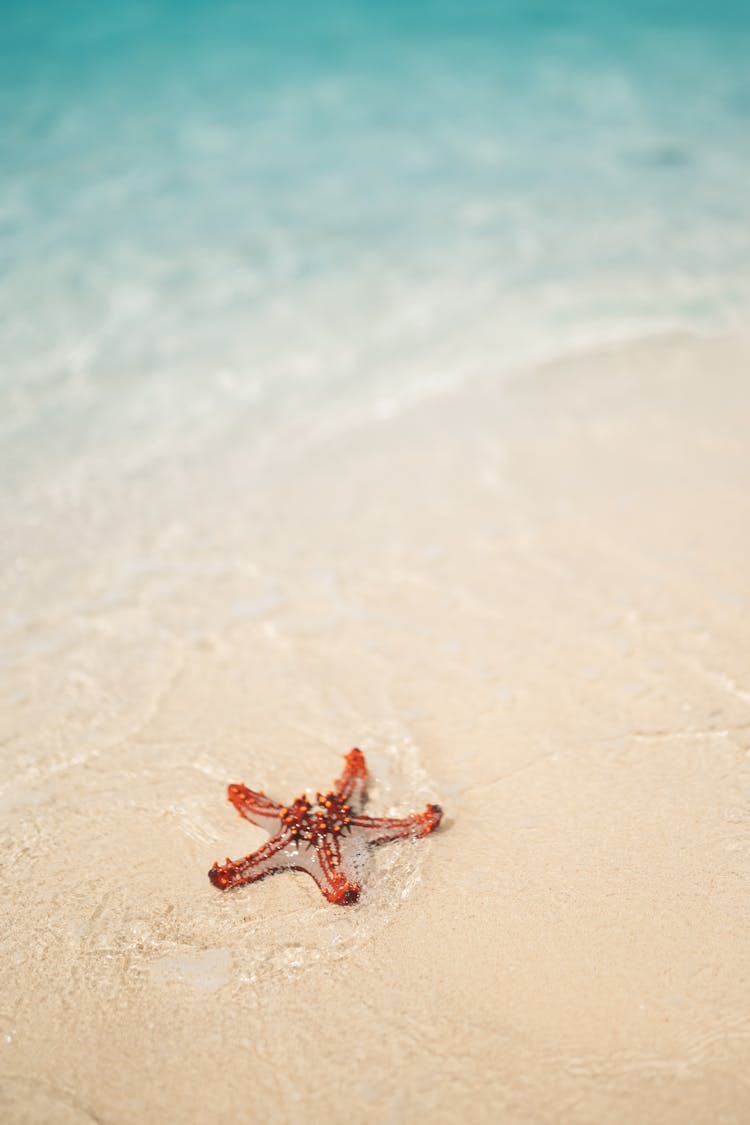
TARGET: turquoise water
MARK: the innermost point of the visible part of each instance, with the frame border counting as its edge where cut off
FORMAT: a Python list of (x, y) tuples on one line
[(208, 207)]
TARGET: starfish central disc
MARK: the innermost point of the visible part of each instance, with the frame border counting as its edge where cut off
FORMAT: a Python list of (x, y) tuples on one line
[(309, 822)]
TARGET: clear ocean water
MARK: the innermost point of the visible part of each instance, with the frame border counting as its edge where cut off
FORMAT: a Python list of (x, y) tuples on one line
[(209, 207)]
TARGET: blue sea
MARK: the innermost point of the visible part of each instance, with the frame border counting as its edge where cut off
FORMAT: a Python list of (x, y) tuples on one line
[(228, 212), (213, 204)]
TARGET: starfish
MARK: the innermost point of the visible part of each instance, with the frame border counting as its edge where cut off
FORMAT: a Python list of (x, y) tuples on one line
[(322, 839)]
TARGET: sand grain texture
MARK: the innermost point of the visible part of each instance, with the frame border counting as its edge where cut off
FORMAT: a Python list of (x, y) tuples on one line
[(528, 601)]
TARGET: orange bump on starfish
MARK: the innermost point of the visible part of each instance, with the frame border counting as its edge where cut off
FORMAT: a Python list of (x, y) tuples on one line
[(321, 839)]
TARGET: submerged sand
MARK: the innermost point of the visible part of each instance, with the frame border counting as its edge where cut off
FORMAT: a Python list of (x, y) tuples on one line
[(526, 600)]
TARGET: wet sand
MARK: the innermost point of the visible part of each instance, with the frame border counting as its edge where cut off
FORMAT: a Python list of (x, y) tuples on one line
[(527, 601)]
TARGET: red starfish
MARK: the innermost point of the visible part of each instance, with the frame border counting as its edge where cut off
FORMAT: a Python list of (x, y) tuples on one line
[(320, 839)]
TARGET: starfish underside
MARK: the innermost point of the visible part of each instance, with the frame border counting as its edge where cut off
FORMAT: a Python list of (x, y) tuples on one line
[(323, 839)]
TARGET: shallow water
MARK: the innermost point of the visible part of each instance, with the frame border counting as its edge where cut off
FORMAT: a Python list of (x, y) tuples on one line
[(223, 221), (209, 207)]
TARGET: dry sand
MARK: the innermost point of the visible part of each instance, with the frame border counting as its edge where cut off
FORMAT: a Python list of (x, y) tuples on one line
[(528, 601)]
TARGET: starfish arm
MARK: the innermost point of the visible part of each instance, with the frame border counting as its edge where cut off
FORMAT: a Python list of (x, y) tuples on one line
[(256, 807), (383, 829), (323, 863), (352, 785), (252, 867)]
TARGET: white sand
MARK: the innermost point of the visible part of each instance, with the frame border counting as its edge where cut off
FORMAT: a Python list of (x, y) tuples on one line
[(527, 601)]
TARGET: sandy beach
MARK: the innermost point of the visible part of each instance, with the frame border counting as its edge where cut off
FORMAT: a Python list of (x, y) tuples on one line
[(525, 599)]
